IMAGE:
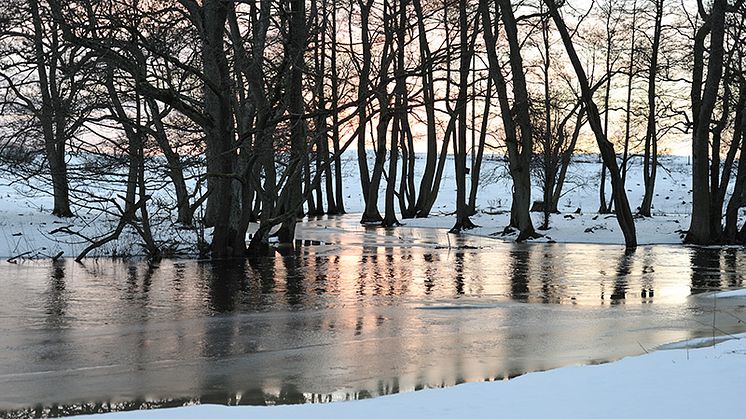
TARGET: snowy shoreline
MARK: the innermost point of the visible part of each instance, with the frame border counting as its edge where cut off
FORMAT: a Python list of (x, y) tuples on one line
[(667, 383), (27, 226)]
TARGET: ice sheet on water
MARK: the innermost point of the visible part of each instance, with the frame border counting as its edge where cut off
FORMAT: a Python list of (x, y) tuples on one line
[(735, 293), (457, 307)]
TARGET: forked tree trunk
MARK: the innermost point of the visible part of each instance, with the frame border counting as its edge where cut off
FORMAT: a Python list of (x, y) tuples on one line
[(54, 139), (519, 214), (700, 229)]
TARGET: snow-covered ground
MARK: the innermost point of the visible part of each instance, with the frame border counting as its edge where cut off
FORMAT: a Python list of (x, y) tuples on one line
[(705, 382), (27, 226)]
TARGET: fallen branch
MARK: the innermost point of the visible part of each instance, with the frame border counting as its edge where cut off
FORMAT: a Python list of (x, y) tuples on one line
[(14, 259), (124, 220)]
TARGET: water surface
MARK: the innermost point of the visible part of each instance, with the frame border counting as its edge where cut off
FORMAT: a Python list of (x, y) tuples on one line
[(354, 313)]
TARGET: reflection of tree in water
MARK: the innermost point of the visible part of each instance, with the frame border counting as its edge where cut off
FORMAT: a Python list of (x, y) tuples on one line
[(386, 388), (226, 281), (551, 293), (57, 296), (519, 272), (263, 268), (288, 394), (731, 267), (621, 279), (431, 263), (55, 308), (706, 266), (383, 270), (647, 279), (459, 277), (321, 276), (294, 289)]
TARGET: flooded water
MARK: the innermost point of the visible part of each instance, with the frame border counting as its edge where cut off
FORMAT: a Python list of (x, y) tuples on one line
[(384, 312)]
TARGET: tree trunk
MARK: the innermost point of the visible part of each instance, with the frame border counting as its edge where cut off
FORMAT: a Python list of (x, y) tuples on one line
[(650, 162), (738, 199), (428, 182), (700, 229), (565, 161), (623, 213), (459, 146), (175, 168), (362, 96), (339, 190), (628, 108), (227, 241), (54, 140), (519, 214), (296, 108), (477, 166)]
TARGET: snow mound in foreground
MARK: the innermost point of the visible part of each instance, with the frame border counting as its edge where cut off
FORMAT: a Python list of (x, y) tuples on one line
[(665, 384)]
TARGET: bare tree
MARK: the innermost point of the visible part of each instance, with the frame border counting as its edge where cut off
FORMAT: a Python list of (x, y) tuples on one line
[(701, 229), (619, 195)]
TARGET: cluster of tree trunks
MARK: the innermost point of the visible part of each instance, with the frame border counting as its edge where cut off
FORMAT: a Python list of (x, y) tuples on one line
[(250, 107)]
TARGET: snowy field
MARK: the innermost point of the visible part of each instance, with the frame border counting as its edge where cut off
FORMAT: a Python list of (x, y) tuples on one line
[(688, 382), (26, 228)]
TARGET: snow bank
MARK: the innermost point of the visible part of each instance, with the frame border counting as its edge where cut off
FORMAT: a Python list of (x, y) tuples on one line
[(679, 383)]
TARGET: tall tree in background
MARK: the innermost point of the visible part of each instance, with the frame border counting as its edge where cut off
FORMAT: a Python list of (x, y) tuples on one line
[(631, 72), (621, 203), (465, 49), (295, 53), (650, 158), (47, 83), (519, 211)]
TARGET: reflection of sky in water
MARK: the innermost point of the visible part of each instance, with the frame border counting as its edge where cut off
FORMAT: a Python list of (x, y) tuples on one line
[(387, 311)]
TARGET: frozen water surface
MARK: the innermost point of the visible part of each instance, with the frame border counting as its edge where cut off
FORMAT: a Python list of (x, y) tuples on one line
[(354, 313)]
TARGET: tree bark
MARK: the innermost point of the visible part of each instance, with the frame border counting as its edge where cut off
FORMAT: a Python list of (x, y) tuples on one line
[(700, 229), (519, 212), (650, 159), (623, 213), (54, 139)]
